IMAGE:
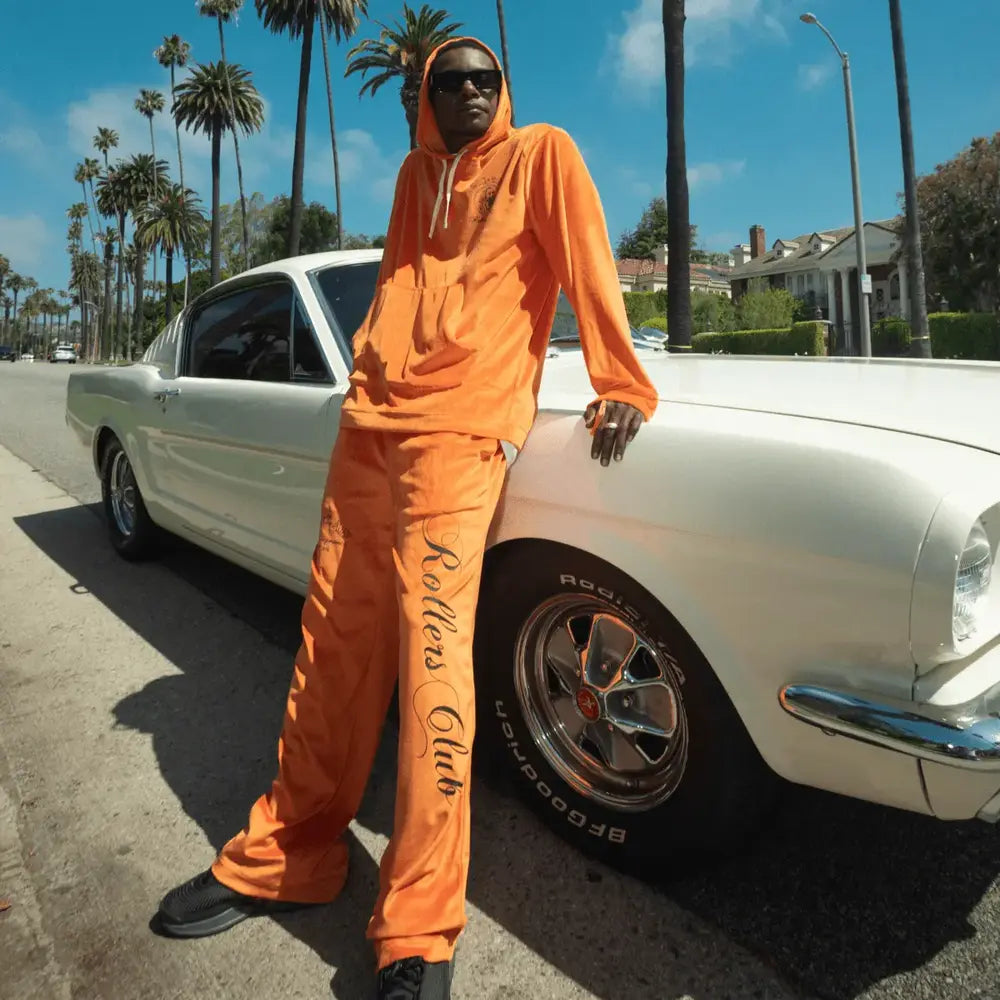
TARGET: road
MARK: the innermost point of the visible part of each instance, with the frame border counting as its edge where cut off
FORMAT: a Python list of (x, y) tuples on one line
[(139, 707)]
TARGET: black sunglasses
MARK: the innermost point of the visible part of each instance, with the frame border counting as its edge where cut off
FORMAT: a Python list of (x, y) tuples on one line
[(451, 81)]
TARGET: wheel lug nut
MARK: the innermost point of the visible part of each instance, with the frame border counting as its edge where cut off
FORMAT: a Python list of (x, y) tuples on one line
[(627, 701)]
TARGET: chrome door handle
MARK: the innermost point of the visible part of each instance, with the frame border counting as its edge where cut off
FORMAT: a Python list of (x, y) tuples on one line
[(161, 397)]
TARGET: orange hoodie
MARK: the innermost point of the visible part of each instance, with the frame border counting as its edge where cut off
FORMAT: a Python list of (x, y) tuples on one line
[(479, 243)]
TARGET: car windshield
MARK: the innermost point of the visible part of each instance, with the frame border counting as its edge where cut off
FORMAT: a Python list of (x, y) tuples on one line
[(348, 290)]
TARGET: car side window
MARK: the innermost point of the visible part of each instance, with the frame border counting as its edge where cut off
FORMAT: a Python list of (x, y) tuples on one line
[(245, 335), (308, 363)]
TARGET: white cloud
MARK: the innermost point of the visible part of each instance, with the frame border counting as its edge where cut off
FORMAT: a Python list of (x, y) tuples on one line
[(714, 32), (705, 174), (815, 75), (364, 164), (639, 184), (24, 239), (24, 143)]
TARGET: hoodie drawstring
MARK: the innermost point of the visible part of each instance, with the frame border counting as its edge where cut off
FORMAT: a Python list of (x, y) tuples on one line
[(445, 187)]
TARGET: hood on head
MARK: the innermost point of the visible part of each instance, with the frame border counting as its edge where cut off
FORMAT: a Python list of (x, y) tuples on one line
[(429, 137)]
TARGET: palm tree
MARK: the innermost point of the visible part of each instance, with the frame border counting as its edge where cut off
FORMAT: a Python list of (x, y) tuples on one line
[(112, 202), (224, 11), (85, 273), (106, 138), (402, 52), (142, 177), (109, 237), (81, 175), (173, 222), (343, 21), (4, 272), (502, 22), (148, 104), (6, 301), (203, 105), (298, 17), (174, 54), (679, 218), (15, 285)]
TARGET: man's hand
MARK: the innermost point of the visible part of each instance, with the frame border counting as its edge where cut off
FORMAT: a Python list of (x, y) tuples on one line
[(613, 425)]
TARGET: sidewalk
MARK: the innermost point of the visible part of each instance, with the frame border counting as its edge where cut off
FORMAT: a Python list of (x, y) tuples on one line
[(138, 721)]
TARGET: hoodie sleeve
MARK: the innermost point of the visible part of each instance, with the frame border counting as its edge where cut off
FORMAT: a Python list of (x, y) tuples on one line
[(565, 213)]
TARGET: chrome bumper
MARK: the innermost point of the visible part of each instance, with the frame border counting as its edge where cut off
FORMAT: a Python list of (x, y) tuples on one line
[(966, 735)]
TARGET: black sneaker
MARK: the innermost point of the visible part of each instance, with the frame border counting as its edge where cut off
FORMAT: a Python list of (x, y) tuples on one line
[(415, 979), (203, 906)]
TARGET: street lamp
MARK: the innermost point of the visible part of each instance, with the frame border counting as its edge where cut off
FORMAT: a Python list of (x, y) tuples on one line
[(859, 224)]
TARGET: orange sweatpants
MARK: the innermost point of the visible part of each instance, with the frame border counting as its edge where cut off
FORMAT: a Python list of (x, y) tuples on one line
[(393, 592)]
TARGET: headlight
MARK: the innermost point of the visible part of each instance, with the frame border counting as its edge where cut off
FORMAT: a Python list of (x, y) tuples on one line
[(972, 583)]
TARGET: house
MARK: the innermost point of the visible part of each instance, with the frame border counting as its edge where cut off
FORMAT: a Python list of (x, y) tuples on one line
[(820, 268), (636, 275)]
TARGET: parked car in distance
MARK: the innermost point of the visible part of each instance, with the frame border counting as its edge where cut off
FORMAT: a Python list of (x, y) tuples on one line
[(27, 356), (63, 352), (7, 353), (791, 572)]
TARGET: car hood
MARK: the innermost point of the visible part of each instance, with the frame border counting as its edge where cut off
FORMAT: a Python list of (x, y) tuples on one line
[(955, 401)]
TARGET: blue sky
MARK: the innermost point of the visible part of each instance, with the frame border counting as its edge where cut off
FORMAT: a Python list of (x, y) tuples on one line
[(765, 109)]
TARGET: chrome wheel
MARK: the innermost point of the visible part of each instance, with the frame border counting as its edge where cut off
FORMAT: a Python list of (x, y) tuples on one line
[(601, 702), (123, 492)]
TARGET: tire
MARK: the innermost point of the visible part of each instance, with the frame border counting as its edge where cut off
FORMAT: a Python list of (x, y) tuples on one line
[(133, 534), (691, 797)]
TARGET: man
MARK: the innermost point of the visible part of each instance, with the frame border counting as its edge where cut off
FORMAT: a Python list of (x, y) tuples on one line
[(488, 222)]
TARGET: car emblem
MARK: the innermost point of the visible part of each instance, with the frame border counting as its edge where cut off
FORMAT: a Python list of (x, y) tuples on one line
[(587, 703)]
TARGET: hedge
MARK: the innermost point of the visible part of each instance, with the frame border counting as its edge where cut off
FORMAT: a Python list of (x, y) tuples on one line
[(968, 336), (656, 323), (891, 337), (803, 338), (641, 306)]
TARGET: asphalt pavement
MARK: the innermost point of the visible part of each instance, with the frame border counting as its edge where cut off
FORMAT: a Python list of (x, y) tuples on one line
[(139, 707)]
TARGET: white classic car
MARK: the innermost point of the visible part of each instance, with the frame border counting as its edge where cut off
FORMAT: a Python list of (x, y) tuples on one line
[(789, 574)]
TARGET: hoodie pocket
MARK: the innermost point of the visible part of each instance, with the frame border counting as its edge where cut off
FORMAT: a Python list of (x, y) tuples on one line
[(415, 339)]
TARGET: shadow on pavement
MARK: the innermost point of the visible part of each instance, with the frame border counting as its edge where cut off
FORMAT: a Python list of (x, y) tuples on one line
[(836, 896)]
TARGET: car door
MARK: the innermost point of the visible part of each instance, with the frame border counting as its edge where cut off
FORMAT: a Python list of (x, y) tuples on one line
[(247, 429)]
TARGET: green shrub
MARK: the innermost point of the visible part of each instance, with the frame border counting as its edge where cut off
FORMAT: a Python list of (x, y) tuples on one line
[(641, 306), (712, 313), (656, 322), (891, 337), (969, 336), (773, 309), (802, 338)]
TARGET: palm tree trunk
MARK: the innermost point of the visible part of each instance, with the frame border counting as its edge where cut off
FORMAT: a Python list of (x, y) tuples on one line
[(299, 158), (333, 131), (14, 323), (103, 333), (216, 220), (156, 187), (90, 221), (679, 217), (920, 346), (505, 55), (180, 170), (170, 285), (236, 146), (140, 268), (120, 284)]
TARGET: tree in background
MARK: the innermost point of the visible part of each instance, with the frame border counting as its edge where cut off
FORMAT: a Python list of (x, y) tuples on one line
[(770, 309), (174, 223), (401, 53), (223, 11), (81, 175), (680, 238), (105, 140), (298, 18), (203, 106), (341, 18), (318, 233), (650, 235), (711, 312), (174, 54), (16, 284), (150, 103), (505, 55), (960, 227)]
